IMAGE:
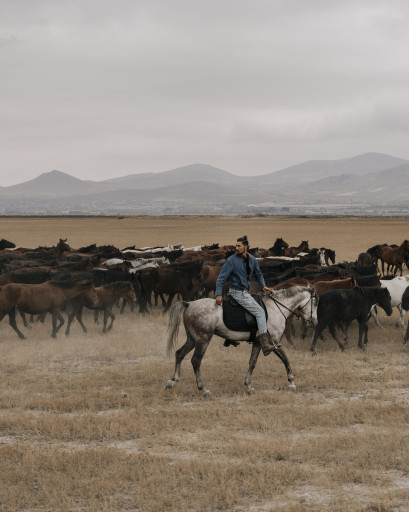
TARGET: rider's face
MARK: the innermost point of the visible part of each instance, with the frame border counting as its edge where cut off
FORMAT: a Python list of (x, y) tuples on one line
[(240, 248)]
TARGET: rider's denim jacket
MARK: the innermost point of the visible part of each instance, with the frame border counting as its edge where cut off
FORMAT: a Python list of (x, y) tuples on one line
[(235, 269)]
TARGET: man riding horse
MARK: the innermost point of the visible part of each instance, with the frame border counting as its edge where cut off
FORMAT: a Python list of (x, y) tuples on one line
[(239, 268)]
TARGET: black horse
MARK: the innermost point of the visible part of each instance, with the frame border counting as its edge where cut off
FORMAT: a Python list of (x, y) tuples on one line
[(278, 248), (405, 306), (338, 308), (5, 244)]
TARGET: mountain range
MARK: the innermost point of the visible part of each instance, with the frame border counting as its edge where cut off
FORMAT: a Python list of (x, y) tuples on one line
[(369, 180)]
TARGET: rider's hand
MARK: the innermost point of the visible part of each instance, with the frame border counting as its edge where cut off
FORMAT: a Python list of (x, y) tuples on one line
[(267, 290), (219, 300)]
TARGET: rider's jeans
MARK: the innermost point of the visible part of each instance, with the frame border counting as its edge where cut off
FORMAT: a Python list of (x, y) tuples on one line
[(246, 300)]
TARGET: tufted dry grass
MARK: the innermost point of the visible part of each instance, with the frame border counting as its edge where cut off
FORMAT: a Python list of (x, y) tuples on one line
[(86, 424)]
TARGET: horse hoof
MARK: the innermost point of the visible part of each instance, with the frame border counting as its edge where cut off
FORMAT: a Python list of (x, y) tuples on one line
[(207, 393), (170, 384), (251, 391), (293, 387)]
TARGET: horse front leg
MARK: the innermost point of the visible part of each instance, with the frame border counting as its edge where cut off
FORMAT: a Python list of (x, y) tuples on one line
[(363, 335), (56, 315), (374, 314), (169, 303), (317, 332), (255, 351), (401, 321), (290, 376), (23, 317), (71, 317), (79, 318), (289, 331), (108, 314)]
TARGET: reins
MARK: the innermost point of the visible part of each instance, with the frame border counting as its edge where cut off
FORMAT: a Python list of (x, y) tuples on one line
[(278, 304)]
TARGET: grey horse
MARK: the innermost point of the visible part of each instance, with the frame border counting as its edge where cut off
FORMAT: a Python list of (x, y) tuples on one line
[(203, 318)]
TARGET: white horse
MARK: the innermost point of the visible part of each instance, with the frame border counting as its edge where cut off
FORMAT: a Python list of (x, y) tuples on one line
[(203, 318), (396, 287)]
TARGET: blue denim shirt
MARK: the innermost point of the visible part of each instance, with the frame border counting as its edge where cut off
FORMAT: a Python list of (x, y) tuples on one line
[(235, 269)]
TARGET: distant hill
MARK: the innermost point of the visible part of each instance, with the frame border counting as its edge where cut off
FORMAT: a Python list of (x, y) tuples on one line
[(314, 170), (55, 183), (187, 174), (370, 179), (390, 185)]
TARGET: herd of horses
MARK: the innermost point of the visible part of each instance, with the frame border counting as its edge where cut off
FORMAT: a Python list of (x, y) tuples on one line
[(306, 283)]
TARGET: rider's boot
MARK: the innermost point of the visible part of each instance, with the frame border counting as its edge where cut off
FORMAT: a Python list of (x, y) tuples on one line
[(265, 343)]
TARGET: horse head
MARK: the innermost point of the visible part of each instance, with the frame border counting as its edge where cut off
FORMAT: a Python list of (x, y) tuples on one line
[(384, 300), (61, 247), (280, 244), (308, 308)]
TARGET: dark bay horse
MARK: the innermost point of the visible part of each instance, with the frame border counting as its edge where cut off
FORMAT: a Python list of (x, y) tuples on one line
[(36, 299), (107, 295), (61, 247), (293, 251), (394, 256), (203, 318)]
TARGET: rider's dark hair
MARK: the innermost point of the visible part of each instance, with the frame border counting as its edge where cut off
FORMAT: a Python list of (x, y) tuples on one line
[(243, 240)]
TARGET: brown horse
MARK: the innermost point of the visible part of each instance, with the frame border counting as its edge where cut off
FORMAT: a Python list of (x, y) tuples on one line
[(208, 284), (37, 299), (61, 248), (394, 256), (107, 295), (293, 251)]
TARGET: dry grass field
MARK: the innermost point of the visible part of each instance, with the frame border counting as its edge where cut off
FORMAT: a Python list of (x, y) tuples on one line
[(86, 424)]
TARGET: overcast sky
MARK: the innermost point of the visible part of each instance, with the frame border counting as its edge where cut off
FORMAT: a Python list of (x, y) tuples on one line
[(105, 88)]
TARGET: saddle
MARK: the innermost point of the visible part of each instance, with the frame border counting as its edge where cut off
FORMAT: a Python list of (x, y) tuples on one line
[(237, 318)]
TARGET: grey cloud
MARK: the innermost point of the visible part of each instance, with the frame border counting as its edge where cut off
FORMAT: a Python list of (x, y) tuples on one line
[(104, 87)]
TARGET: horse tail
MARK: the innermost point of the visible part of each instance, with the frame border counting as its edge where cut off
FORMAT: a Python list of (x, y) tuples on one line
[(172, 329)]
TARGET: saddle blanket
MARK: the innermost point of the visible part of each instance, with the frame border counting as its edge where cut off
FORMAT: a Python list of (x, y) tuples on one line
[(237, 318)]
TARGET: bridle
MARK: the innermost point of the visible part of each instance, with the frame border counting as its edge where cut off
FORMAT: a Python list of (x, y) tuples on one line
[(313, 294)]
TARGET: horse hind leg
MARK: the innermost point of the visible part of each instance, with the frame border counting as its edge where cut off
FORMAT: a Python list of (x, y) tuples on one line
[(180, 354), (333, 332), (197, 357), (317, 332), (406, 338)]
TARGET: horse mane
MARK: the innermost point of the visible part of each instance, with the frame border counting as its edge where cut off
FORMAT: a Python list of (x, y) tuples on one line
[(289, 292), (88, 248), (369, 291)]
